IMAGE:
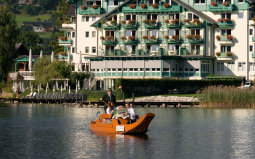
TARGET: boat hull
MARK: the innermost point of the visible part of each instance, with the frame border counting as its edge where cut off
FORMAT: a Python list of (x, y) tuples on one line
[(139, 127)]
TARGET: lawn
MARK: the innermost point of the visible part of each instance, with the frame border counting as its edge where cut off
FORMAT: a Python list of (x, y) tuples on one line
[(44, 34), (23, 17)]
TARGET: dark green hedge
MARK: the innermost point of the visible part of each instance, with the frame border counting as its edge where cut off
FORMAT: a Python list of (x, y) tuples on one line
[(161, 86)]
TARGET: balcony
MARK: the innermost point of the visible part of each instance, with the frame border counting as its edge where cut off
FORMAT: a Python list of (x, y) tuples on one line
[(225, 24), (172, 41), (68, 27), (193, 24), (225, 57), (150, 9), (173, 25), (129, 25), (151, 25), (172, 52), (64, 57), (108, 42), (253, 56), (67, 42), (109, 26), (151, 41), (27, 75), (224, 40), (253, 39), (89, 10), (195, 39), (116, 53), (191, 52), (221, 8), (130, 42)]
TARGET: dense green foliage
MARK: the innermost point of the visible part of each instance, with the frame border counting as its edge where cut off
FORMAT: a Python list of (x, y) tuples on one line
[(9, 32), (161, 86), (226, 97)]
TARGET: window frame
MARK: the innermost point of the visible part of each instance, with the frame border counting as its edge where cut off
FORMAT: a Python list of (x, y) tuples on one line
[(86, 34), (86, 47), (238, 15)]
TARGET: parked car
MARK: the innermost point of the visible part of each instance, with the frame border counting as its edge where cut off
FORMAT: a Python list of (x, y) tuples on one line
[(247, 85)]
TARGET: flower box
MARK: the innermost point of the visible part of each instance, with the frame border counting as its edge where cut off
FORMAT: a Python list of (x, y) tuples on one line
[(225, 3), (214, 4), (166, 5), (196, 20), (109, 38), (226, 20), (123, 38), (132, 6), (83, 7), (166, 37), (186, 20), (145, 21), (154, 5), (94, 6), (63, 38), (143, 6), (196, 36), (217, 53), (220, 20), (113, 21), (131, 21), (229, 54), (153, 37), (153, 21), (102, 37), (62, 53), (166, 21), (145, 37), (217, 37), (123, 22), (189, 36), (131, 38), (230, 37), (174, 37)]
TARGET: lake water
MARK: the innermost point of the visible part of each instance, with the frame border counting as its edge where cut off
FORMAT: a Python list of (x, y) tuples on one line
[(59, 131)]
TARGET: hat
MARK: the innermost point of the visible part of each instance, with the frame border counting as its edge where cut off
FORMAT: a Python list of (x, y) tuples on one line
[(109, 90), (127, 103)]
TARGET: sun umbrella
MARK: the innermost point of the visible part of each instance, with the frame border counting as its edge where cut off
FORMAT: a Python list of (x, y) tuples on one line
[(68, 56), (30, 60), (41, 54), (80, 64), (52, 56)]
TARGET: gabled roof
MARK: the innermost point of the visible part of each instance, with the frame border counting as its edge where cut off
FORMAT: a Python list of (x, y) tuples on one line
[(42, 24), (71, 10), (198, 13), (251, 1), (108, 14), (22, 2)]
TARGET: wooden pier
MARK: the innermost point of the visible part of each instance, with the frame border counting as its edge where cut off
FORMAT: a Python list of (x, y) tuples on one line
[(97, 104)]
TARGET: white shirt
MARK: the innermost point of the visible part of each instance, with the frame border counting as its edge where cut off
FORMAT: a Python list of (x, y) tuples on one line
[(131, 111), (108, 110)]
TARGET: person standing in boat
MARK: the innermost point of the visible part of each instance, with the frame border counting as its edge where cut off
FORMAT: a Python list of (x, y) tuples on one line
[(108, 97), (131, 112)]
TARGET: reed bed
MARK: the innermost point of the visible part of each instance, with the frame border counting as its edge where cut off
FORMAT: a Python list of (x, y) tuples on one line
[(226, 97)]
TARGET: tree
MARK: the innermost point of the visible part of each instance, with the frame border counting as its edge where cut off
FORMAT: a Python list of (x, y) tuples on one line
[(62, 8), (25, 28), (31, 39), (38, 19), (8, 32)]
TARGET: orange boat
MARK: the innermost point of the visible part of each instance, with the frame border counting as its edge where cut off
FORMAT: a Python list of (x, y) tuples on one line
[(121, 126)]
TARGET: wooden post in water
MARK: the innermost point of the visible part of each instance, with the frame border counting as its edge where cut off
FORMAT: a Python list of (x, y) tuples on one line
[(179, 105)]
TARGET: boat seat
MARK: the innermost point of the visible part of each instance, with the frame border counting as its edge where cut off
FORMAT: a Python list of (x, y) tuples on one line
[(105, 116)]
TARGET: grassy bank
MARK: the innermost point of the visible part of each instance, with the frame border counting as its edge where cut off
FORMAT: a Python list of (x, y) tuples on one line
[(24, 17), (226, 97), (44, 34), (90, 95)]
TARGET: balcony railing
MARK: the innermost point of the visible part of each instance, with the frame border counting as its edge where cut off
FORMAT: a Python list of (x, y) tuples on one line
[(196, 40), (108, 41), (172, 41), (151, 41), (89, 10), (27, 75), (129, 25), (64, 57), (253, 56), (65, 42), (108, 25), (221, 8), (191, 52), (225, 24), (193, 24), (172, 25), (129, 41), (160, 8), (151, 25), (224, 40), (171, 52), (224, 56)]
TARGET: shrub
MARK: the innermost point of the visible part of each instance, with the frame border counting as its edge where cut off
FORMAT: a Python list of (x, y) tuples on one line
[(218, 53), (186, 20), (166, 21), (166, 5), (145, 37), (94, 6), (83, 7), (103, 21), (113, 21), (166, 37), (189, 36), (218, 37), (143, 6), (213, 3), (123, 38), (102, 37), (145, 21), (154, 5), (153, 21), (132, 6), (230, 37), (63, 38)]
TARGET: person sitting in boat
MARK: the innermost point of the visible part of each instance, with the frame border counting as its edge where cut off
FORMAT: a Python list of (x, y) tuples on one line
[(131, 112), (111, 108)]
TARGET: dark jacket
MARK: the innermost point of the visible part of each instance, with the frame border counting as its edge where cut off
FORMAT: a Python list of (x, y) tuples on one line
[(106, 98)]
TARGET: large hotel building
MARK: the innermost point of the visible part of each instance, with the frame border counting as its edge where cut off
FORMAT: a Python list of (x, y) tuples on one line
[(187, 39)]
